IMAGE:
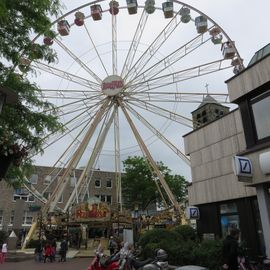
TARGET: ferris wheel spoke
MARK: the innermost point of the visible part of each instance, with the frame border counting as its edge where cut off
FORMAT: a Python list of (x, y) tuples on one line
[(74, 142), (159, 135), (171, 59), (90, 164), (161, 112), (62, 183), (95, 48), (71, 129), (170, 97), (134, 44), (83, 185), (153, 48), (114, 45), (77, 60), (180, 76), (60, 107), (66, 75), (148, 155), (64, 92), (117, 158)]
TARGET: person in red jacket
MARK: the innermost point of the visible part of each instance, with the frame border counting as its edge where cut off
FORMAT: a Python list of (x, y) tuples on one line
[(48, 252)]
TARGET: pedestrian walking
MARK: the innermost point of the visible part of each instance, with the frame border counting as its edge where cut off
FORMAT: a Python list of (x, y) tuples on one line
[(4, 252), (38, 252), (112, 245), (54, 246), (230, 250), (48, 252), (63, 251)]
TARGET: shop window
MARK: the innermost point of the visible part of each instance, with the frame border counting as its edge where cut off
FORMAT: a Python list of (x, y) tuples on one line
[(25, 197), (261, 110), (109, 183), (47, 180), (97, 183), (73, 181), (11, 221), (229, 217), (1, 217), (34, 179), (109, 199), (204, 120), (27, 218)]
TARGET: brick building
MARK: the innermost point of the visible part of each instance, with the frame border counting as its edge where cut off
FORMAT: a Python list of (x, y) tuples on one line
[(17, 207)]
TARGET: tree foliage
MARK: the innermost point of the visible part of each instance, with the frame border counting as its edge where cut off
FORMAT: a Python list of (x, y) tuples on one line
[(139, 187), (24, 125)]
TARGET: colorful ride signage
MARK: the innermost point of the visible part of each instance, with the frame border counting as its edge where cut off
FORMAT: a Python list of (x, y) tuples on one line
[(92, 212), (112, 85)]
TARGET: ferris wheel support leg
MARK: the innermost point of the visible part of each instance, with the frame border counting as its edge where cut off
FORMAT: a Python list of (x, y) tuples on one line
[(29, 235), (62, 183), (150, 159)]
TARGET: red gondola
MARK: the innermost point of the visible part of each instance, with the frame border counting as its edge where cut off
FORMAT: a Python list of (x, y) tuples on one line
[(79, 18), (63, 28), (48, 41), (96, 12), (114, 7)]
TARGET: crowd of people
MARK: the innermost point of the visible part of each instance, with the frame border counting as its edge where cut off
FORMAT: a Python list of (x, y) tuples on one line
[(47, 251)]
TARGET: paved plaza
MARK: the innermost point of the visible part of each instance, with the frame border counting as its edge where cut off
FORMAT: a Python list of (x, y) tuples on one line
[(70, 264)]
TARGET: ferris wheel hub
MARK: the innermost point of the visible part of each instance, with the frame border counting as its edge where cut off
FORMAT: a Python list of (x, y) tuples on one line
[(112, 85)]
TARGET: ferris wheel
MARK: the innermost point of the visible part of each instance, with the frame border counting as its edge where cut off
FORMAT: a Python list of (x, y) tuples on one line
[(128, 75)]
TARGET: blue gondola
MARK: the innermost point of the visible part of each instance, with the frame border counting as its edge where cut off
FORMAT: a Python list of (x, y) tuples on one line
[(201, 24)]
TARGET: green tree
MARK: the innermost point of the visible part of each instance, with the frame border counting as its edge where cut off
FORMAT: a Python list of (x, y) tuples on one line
[(24, 125), (139, 187)]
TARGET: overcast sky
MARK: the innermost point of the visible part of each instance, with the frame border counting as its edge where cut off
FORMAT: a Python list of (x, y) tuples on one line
[(247, 23)]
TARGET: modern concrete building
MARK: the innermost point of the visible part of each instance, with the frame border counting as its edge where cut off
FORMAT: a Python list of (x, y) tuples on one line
[(231, 191)]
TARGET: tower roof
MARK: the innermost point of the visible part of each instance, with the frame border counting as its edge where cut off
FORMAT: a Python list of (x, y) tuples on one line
[(208, 99)]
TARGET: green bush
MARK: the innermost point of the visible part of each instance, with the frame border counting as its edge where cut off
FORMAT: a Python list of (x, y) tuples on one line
[(186, 232), (33, 243), (183, 247)]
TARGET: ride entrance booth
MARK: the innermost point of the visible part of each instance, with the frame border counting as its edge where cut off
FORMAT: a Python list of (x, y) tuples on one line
[(89, 225)]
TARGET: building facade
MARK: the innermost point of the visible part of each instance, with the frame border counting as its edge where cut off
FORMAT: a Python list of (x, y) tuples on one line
[(18, 208), (226, 199)]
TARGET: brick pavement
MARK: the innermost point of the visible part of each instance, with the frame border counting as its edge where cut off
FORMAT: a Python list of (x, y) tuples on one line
[(70, 264)]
